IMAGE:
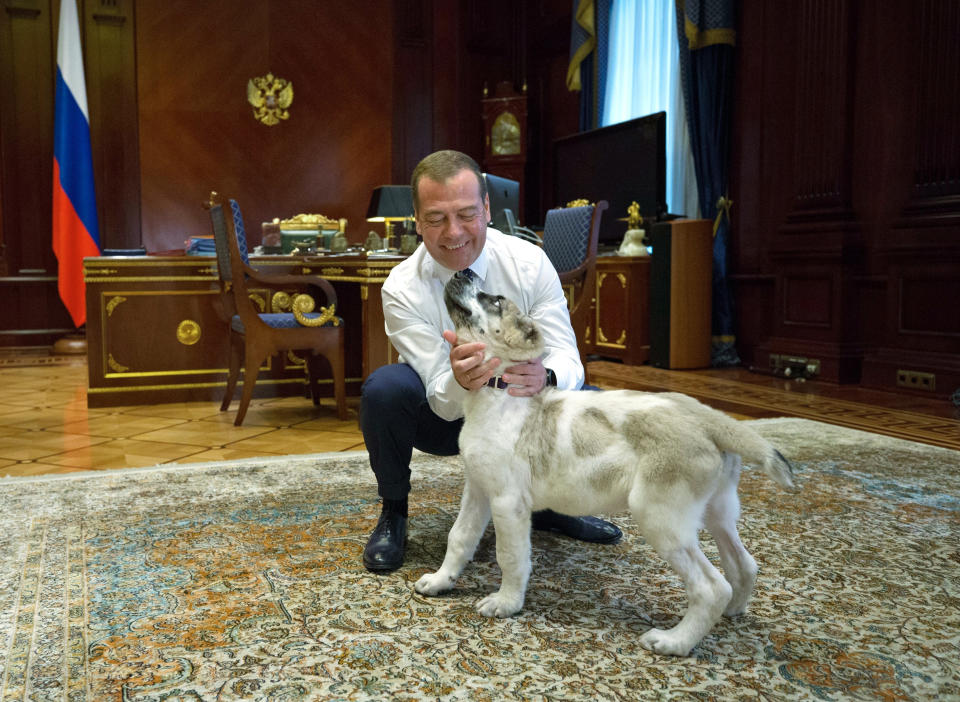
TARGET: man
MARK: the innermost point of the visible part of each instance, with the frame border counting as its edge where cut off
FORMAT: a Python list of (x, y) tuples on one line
[(418, 403)]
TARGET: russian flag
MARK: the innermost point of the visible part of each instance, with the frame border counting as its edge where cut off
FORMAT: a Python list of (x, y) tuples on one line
[(75, 229)]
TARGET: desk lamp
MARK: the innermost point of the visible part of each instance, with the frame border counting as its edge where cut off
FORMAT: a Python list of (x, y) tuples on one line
[(388, 204)]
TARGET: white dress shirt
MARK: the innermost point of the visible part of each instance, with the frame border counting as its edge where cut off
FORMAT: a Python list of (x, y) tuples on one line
[(416, 316)]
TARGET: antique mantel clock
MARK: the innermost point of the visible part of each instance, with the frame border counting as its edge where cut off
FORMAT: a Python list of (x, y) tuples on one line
[(505, 134)]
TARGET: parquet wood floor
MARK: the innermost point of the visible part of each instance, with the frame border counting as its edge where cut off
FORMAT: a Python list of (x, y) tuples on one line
[(46, 427)]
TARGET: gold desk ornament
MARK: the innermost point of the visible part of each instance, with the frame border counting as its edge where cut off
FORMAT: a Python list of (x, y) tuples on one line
[(582, 202), (302, 304), (270, 98), (301, 222)]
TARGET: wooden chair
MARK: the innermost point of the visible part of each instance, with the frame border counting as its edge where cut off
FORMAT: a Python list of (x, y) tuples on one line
[(257, 335), (570, 236)]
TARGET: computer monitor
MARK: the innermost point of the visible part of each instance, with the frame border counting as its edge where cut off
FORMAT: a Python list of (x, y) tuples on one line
[(504, 195), (622, 163)]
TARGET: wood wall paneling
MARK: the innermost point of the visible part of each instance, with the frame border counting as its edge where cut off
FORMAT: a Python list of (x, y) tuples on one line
[(416, 103), (31, 313), (110, 59), (26, 130), (197, 130)]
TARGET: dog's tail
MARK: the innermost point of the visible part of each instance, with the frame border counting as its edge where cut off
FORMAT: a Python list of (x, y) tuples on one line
[(741, 439)]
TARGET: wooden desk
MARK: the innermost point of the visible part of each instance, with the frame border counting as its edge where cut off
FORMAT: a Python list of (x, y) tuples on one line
[(156, 331)]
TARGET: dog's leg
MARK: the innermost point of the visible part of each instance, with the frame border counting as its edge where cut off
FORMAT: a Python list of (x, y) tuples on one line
[(461, 542), (721, 516), (511, 520), (707, 591)]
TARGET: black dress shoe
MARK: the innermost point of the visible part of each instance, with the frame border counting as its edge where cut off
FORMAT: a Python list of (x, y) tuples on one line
[(387, 544), (590, 529)]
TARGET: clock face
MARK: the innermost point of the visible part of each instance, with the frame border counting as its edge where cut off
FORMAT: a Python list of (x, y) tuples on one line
[(505, 135)]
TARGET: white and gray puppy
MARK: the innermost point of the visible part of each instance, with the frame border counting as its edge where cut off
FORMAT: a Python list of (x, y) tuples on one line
[(672, 461)]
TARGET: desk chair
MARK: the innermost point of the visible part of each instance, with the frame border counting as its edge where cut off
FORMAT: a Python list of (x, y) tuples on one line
[(256, 335), (570, 236)]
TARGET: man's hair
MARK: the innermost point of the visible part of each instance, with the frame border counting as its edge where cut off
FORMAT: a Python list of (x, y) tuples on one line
[(441, 166)]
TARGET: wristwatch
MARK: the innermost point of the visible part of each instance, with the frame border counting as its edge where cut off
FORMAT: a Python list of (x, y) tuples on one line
[(551, 378)]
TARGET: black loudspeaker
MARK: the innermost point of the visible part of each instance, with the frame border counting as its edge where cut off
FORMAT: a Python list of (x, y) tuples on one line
[(681, 270)]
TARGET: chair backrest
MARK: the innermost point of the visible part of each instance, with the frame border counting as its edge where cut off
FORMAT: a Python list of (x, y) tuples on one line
[(219, 224), (570, 239), (230, 262), (566, 237), (570, 236), (240, 231)]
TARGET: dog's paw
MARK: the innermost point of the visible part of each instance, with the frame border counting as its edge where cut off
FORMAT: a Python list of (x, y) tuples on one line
[(736, 607), (433, 584), (499, 605), (663, 642)]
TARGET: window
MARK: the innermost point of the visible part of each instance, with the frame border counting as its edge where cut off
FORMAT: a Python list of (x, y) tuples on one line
[(643, 77)]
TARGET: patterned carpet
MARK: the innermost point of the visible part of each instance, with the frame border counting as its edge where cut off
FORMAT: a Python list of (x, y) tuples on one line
[(243, 581)]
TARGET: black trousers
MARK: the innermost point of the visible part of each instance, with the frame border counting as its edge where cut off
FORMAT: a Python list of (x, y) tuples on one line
[(395, 418)]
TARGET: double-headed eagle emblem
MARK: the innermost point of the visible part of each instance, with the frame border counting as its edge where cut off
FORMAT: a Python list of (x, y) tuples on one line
[(270, 98)]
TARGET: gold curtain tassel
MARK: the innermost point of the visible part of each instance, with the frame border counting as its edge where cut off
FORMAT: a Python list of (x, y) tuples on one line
[(723, 208)]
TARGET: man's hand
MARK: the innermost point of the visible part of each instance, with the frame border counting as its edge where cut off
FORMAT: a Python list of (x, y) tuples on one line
[(466, 361), (526, 379)]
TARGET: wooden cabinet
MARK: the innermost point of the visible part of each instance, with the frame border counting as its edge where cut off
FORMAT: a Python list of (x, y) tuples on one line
[(620, 323), (156, 331)]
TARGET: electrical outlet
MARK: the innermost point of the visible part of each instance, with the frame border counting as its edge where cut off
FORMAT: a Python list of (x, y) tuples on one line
[(917, 380), (796, 367)]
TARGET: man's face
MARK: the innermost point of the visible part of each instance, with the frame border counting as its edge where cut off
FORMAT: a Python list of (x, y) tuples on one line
[(452, 219)]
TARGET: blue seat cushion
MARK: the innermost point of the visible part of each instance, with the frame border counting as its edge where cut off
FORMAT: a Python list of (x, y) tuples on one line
[(278, 320)]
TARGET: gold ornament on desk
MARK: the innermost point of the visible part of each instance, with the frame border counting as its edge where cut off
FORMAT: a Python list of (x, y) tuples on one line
[(304, 232), (270, 98), (634, 241)]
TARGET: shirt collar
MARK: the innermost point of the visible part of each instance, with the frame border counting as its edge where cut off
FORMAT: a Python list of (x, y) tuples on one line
[(480, 266)]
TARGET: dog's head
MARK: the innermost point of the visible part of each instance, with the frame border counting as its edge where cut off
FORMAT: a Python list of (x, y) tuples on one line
[(492, 319)]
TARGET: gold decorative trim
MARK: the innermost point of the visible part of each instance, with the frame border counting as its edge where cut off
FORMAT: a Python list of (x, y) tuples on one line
[(188, 332), (113, 303), (270, 98), (258, 301), (280, 302), (295, 360), (580, 202), (152, 279), (303, 304), (364, 292), (117, 367), (213, 384), (331, 271)]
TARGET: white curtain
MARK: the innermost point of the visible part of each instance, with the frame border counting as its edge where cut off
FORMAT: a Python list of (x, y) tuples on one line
[(643, 77)]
